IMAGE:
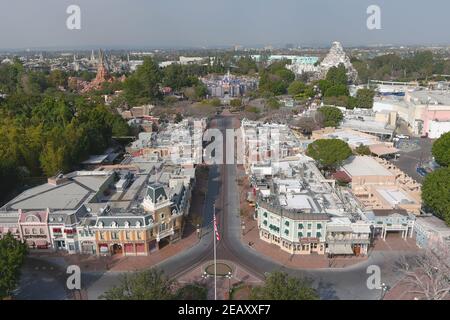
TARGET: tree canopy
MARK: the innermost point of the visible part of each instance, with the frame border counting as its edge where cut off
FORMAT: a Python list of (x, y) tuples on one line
[(441, 150), (329, 153), (143, 85), (153, 284), (364, 98), (436, 193), (332, 116), (12, 256), (280, 286)]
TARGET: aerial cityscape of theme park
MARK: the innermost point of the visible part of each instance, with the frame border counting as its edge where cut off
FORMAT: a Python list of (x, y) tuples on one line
[(210, 171)]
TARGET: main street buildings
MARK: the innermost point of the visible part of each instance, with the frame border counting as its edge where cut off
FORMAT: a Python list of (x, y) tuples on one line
[(131, 209), (303, 212)]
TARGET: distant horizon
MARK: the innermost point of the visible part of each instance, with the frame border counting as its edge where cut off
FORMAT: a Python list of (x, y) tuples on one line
[(216, 47), (195, 24)]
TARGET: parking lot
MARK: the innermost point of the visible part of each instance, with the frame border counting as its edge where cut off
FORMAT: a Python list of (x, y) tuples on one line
[(414, 153)]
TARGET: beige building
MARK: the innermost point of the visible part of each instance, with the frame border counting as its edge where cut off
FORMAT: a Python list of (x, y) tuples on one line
[(379, 184)]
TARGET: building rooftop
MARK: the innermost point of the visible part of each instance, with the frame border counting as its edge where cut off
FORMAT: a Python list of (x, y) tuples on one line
[(364, 166)]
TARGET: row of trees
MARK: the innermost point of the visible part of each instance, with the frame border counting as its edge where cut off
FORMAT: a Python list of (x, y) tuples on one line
[(335, 91), (417, 66), (154, 285), (12, 256), (436, 187), (43, 132)]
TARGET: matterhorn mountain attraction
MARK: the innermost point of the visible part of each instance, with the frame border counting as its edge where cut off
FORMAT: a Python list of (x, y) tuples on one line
[(334, 58)]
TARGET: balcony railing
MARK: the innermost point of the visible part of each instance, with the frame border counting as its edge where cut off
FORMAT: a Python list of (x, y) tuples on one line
[(165, 233)]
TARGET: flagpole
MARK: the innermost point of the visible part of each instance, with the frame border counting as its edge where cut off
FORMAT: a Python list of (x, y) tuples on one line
[(215, 261)]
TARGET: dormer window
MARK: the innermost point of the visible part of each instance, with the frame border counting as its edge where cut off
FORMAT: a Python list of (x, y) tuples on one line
[(114, 224), (138, 224), (100, 224), (127, 224)]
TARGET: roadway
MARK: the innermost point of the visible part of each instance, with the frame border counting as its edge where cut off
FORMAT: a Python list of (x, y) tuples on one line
[(223, 191)]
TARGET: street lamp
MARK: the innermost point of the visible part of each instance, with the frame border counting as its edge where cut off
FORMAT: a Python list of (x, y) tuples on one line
[(229, 281), (198, 230), (384, 289)]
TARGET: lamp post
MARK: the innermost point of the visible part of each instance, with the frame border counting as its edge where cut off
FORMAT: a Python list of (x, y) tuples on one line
[(229, 281), (198, 231), (384, 289)]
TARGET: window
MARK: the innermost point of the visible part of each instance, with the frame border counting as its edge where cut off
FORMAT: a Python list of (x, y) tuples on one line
[(34, 231), (114, 235), (300, 234), (309, 226), (308, 234), (139, 235), (27, 231), (287, 223), (286, 232), (319, 234), (319, 226), (265, 222), (102, 236), (41, 231), (265, 214), (300, 225), (127, 235)]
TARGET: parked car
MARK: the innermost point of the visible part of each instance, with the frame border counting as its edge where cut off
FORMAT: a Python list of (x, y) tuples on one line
[(421, 171), (402, 136)]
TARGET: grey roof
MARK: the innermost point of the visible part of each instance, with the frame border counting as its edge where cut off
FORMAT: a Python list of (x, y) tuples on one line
[(155, 192)]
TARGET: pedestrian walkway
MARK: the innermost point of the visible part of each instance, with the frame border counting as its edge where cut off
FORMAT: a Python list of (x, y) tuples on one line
[(119, 263)]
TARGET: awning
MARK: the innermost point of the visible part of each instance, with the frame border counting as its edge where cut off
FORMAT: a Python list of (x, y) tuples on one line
[(382, 150), (338, 248), (41, 243)]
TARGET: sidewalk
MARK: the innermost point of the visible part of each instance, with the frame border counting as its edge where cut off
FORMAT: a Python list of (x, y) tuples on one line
[(293, 261), (121, 263)]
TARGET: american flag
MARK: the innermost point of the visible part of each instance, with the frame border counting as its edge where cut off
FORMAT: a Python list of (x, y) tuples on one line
[(215, 228)]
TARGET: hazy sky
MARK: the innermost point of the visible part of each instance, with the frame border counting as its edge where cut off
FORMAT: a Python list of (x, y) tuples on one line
[(161, 23)]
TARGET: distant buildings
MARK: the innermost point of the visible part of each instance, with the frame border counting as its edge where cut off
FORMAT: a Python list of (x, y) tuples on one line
[(229, 85), (427, 112)]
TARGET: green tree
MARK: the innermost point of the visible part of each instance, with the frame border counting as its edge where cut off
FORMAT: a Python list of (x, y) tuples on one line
[(441, 150), (280, 286), (364, 98), (436, 193), (53, 159), (236, 103), (337, 75), (337, 90), (332, 116), (273, 103), (329, 153), (12, 256), (194, 291), (363, 150), (143, 85), (147, 285), (297, 87)]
